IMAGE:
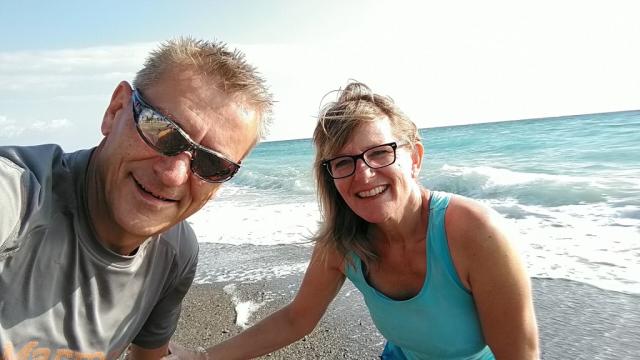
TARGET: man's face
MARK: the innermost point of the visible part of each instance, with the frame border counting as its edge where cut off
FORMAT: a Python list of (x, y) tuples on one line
[(145, 192)]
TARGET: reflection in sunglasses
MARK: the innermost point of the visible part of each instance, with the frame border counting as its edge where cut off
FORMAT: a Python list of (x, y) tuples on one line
[(167, 138)]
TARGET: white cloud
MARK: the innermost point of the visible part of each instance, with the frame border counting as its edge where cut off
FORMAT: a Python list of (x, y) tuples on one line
[(70, 69), (50, 125), (449, 63), (12, 128), (9, 128), (444, 63), (73, 60), (60, 95)]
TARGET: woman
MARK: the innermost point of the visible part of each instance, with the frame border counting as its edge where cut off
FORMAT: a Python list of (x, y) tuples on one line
[(439, 277)]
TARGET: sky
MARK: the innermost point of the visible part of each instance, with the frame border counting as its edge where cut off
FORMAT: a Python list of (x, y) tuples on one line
[(443, 62)]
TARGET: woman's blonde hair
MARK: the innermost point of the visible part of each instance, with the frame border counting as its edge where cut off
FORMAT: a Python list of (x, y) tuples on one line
[(341, 229)]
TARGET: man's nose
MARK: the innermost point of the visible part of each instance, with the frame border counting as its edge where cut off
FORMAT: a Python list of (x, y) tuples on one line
[(173, 170)]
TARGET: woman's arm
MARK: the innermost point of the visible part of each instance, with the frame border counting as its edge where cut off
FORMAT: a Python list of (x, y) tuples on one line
[(497, 278), (321, 283)]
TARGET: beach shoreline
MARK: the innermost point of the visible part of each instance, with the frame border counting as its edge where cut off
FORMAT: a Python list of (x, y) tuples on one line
[(575, 320)]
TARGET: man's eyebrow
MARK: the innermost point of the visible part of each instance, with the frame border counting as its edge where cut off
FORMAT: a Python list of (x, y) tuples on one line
[(217, 151)]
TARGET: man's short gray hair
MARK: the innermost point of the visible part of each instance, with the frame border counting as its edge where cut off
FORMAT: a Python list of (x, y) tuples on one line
[(228, 69)]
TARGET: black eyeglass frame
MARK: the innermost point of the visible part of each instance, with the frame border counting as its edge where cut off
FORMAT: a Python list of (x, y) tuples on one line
[(394, 145), (139, 104)]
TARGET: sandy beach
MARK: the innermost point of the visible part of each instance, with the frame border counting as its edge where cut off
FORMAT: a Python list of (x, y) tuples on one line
[(575, 320)]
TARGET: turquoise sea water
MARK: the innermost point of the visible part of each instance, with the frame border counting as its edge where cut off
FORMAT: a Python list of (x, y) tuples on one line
[(568, 188)]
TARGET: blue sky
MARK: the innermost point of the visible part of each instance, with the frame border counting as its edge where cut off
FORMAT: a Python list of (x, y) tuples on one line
[(444, 63), (76, 24)]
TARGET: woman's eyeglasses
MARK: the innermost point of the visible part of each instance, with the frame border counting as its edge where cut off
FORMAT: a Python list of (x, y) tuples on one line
[(167, 138), (375, 157)]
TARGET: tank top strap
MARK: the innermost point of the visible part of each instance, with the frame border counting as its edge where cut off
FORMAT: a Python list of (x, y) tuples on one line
[(439, 200), (439, 254)]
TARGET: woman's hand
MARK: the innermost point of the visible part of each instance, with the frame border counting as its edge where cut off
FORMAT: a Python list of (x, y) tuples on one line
[(322, 281)]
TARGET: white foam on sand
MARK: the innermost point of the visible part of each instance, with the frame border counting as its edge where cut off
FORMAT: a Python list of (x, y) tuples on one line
[(243, 309), (595, 243), (229, 222), (587, 243), (246, 275)]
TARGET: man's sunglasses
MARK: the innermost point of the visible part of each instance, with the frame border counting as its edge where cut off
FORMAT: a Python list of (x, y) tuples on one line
[(167, 138)]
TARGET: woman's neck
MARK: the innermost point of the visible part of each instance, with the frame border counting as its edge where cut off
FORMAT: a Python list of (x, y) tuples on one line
[(410, 226)]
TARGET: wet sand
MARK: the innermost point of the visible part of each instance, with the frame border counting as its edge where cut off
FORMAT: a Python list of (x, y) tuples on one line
[(575, 320)]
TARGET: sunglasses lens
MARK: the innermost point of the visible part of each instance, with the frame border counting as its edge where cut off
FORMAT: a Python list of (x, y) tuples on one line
[(212, 167), (161, 134), (167, 138)]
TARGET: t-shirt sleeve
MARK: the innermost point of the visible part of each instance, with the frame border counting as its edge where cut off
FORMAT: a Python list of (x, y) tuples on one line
[(25, 184), (11, 200), (163, 320)]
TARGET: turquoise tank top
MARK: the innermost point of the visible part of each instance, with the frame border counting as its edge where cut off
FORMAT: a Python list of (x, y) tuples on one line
[(441, 321)]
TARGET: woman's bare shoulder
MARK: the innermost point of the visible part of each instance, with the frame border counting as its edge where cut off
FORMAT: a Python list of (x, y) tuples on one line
[(468, 216), (328, 257), (475, 232)]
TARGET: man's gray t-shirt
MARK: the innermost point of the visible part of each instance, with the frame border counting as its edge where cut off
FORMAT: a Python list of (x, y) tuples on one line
[(62, 293)]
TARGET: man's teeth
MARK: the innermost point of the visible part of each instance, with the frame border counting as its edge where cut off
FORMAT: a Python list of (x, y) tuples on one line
[(152, 194), (373, 192)]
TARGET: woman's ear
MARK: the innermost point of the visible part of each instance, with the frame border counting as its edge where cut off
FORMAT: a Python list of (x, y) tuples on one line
[(119, 101), (416, 159)]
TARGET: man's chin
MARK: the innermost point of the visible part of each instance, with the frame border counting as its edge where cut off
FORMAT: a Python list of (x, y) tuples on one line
[(147, 228)]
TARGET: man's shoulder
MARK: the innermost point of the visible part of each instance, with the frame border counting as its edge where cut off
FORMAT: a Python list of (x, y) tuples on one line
[(29, 155), (40, 160), (11, 200), (182, 239), (25, 177), (37, 185)]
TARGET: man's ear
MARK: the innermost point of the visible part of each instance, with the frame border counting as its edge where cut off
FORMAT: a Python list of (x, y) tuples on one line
[(120, 100), (416, 159)]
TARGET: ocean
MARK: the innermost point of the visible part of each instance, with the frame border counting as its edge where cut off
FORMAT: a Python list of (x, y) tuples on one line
[(568, 189)]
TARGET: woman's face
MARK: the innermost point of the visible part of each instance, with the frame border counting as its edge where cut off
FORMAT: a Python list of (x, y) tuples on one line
[(379, 195)]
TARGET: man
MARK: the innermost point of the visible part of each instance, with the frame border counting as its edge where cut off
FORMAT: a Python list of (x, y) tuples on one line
[(95, 254)]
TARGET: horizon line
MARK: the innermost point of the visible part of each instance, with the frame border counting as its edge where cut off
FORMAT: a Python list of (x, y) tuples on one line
[(489, 122)]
